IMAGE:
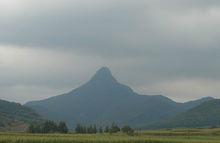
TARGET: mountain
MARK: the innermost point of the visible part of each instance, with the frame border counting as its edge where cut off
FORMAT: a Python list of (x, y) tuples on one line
[(206, 114), (192, 104), (104, 100), (15, 117)]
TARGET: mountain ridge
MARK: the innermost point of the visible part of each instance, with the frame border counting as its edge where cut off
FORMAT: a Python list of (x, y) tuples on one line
[(103, 100)]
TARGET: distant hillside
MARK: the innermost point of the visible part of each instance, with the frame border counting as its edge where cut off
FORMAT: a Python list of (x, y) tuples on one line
[(104, 100), (205, 115), (16, 117), (192, 104)]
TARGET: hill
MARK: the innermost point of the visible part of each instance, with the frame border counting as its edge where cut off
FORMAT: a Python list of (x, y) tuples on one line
[(192, 104), (15, 117), (206, 114), (104, 100)]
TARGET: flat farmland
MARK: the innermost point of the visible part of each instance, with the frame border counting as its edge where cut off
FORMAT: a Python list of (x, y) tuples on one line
[(159, 136)]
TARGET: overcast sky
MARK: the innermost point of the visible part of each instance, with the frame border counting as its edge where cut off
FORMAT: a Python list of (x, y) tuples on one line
[(168, 47)]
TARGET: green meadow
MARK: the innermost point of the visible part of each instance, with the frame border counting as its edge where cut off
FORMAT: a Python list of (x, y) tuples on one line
[(160, 136)]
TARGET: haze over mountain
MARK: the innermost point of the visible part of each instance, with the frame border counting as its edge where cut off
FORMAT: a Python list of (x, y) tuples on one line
[(104, 100), (15, 117)]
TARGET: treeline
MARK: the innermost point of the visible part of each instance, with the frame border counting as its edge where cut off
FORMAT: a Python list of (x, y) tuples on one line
[(92, 129), (48, 127), (61, 127)]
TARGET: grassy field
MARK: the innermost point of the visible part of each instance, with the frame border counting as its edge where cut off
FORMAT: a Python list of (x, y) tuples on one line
[(162, 136)]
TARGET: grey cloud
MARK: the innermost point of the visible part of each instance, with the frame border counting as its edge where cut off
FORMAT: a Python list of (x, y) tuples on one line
[(145, 42), (117, 26)]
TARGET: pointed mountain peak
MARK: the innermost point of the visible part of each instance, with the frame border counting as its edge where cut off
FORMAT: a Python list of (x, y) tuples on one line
[(104, 70), (103, 74)]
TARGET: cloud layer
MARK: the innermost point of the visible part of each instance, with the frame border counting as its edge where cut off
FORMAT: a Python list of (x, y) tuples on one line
[(155, 46)]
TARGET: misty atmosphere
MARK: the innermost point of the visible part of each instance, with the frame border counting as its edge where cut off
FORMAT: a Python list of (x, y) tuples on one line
[(109, 71)]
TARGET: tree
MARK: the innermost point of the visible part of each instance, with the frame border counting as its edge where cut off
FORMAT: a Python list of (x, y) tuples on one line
[(106, 129), (90, 129), (62, 128), (84, 130), (79, 129), (100, 130), (35, 128), (49, 127), (94, 131), (128, 130), (31, 128), (114, 128)]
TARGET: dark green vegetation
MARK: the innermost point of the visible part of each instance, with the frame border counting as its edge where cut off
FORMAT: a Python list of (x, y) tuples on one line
[(16, 117), (48, 127), (80, 129), (161, 136), (204, 115), (128, 130), (92, 129), (104, 100)]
